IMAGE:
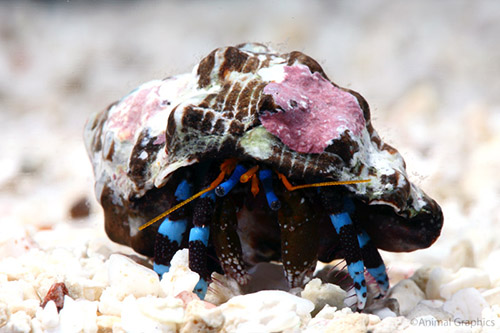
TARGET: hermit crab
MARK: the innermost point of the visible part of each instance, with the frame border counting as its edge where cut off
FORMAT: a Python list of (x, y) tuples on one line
[(255, 156)]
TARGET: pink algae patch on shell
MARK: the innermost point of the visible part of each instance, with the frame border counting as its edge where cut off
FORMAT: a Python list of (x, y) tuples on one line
[(134, 111), (315, 112)]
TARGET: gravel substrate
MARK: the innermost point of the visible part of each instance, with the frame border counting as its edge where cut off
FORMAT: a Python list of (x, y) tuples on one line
[(429, 70)]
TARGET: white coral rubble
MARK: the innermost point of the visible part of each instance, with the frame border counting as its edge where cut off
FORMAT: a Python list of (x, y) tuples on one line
[(116, 293)]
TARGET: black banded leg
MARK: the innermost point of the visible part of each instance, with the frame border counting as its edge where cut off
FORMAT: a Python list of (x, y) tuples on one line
[(349, 242), (299, 235), (227, 242), (198, 241), (171, 232), (373, 262), (338, 206), (371, 257)]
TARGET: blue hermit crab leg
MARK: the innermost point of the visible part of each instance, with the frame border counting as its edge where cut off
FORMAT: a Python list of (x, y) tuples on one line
[(371, 257), (198, 241), (373, 261), (266, 179), (170, 233), (227, 242), (346, 230)]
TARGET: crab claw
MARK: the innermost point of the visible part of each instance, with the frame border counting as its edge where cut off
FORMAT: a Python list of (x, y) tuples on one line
[(299, 232)]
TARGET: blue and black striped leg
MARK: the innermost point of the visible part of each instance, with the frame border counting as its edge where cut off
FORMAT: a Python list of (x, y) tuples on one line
[(266, 179), (198, 241), (352, 253), (338, 205), (371, 257), (373, 261), (171, 232)]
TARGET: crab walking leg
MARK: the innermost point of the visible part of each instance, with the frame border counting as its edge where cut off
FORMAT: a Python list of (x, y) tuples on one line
[(355, 266), (338, 206), (371, 257), (170, 233), (373, 261), (198, 241), (266, 179), (227, 242), (299, 230)]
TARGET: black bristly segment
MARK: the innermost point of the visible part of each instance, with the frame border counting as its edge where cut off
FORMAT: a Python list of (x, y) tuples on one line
[(198, 258), (164, 250), (227, 242), (198, 250), (350, 245), (203, 212), (299, 234)]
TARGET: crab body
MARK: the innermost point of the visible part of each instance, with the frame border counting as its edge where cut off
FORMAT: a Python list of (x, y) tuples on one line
[(240, 128)]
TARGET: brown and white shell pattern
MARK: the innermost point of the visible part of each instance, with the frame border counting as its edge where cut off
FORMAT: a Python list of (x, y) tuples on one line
[(216, 112)]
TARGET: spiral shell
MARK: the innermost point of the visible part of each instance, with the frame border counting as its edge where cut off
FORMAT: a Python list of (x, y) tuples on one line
[(254, 104)]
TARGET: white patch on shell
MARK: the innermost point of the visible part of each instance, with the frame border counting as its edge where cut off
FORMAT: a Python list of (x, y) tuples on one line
[(258, 143), (273, 74), (418, 201)]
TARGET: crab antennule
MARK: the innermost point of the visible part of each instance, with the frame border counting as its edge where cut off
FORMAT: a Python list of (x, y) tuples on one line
[(255, 185), (266, 179), (373, 262), (228, 185), (170, 233), (249, 174)]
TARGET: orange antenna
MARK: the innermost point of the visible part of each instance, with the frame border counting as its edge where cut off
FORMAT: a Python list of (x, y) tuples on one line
[(290, 187)]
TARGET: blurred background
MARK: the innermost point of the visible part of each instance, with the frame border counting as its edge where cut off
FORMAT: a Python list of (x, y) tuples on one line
[(430, 71)]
